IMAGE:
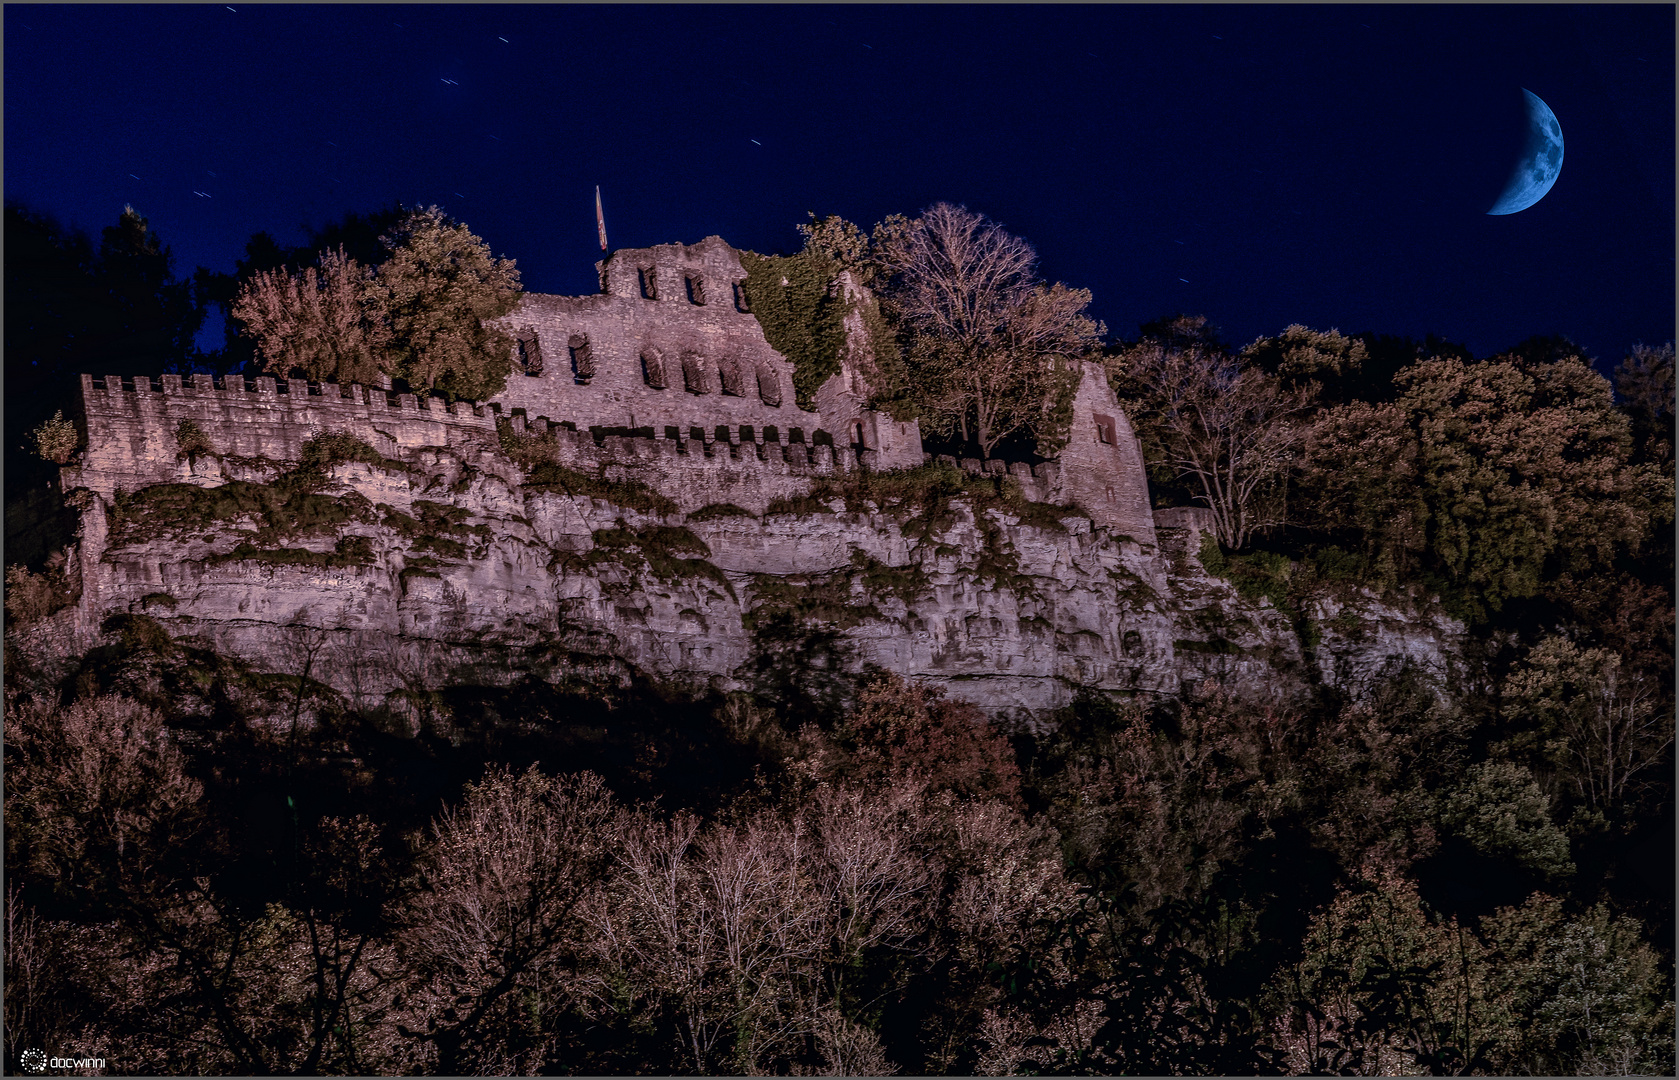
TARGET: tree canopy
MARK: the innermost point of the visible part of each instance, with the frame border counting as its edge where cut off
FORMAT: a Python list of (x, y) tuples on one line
[(420, 314)]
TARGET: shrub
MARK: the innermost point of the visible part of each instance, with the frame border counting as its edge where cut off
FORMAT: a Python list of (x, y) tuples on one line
[(56, 439), (32, 597), (190, 440), (329, 448)]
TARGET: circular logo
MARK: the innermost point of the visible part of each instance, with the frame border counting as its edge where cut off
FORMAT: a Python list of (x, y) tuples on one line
[(34, 1060)]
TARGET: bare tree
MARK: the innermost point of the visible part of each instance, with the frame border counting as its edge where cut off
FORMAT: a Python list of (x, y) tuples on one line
[(657, 927), (496, 917), (989, 341), (1233, 431), (1609, 726)]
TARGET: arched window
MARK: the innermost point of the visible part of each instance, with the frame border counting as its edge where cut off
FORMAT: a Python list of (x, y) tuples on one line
[(582, 358), (649, 283), (653, 368), (696, 290), (742, 304)]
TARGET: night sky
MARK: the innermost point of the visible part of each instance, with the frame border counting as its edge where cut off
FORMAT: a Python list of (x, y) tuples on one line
[(1327, 165)]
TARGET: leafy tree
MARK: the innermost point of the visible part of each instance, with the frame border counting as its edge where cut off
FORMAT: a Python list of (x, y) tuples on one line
[(319, 321), (989, 346), (1385, 988), (1644, 381), (1493, 478), (908, 734), (420, 315), (56, 439), (1502, 812), (1300, 355), (1525, 473), (436, 291), (74, 307), (843, 244), (1575, 996), (1358, 485), (1602, 728), (152, 315)]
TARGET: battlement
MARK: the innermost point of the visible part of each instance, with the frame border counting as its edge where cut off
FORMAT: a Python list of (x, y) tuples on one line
[(669, 337), (665, 376), (131, 425)]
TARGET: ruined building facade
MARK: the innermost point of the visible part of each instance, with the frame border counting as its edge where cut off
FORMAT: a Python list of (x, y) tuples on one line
[(664, 376)]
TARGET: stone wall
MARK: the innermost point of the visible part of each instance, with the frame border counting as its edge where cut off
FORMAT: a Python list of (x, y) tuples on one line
[(667, 342), (664, 377), (1102, 464), (130, 423)]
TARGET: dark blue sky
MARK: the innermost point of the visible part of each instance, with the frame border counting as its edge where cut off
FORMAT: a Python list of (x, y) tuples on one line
[(1329, 165)]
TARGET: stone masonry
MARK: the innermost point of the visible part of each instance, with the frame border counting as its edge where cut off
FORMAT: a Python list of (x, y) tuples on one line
[(663, 376)]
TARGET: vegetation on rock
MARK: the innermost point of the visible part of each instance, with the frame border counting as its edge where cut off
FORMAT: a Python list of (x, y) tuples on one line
[(549, 863)]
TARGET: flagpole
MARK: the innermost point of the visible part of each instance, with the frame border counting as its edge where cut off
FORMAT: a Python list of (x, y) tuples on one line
[(600, 219)]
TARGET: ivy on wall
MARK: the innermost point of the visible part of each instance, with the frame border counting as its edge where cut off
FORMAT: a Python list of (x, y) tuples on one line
[(789, 295), (793, 299)]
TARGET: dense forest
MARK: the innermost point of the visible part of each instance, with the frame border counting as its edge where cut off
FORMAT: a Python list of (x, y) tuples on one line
[(217, 869)]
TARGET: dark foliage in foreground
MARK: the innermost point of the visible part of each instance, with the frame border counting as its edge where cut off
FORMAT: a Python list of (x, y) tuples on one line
[(249, 876)]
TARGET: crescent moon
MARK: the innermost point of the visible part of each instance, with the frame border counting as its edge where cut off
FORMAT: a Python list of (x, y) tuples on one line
[(1541, 161)]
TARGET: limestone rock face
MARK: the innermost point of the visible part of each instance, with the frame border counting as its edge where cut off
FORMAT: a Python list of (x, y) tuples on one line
[(455, 571)]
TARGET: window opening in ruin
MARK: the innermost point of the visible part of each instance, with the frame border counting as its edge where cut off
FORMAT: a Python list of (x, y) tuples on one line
[(582, 358), (1105, 429), (728, 371), (696, 434), (796, 435), (653, 368), (693, 374), (1131, 644), (529, 351), (696, 290), (771, 434), (673, 433), (742, 304), (723, 433), (649, 283), (746, 435), (822, 438), (857, 433), (769, 387)]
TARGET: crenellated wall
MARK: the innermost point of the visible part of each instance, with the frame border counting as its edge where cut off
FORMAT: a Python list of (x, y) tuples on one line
[(667, 353), (131, 423)]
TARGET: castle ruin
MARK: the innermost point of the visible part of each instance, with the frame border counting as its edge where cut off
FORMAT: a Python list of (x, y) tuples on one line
[(664, 376)]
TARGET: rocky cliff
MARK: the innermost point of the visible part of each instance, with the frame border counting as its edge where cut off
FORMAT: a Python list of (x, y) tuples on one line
[(461, 565)]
